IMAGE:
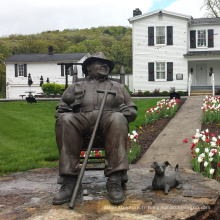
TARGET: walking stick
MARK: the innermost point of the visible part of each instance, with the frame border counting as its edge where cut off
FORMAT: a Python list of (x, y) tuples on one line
[(79, 180)]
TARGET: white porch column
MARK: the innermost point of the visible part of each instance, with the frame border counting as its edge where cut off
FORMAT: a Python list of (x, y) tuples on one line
[(213, 84)]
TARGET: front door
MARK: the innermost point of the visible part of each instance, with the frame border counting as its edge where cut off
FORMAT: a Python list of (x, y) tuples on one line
[(201, 74)]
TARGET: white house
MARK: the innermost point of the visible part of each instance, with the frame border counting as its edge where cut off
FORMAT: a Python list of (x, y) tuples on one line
[(19, 66), (168, 46)]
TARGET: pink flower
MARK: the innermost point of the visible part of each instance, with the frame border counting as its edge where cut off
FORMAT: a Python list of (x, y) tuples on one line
[(193, 137), (212, 135), (185, 140), (194, 156)]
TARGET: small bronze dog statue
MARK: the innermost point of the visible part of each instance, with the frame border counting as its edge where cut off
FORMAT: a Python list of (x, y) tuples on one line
[(160, 181)]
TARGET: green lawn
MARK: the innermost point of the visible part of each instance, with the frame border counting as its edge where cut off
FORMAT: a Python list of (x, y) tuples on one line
[(142, 104), (27, 136)]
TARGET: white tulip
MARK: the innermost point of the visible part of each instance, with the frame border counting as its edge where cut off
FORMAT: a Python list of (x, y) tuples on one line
[(206, 164), (132, 137), (195, 141), (206, 150), (203, 137), (202, 155), (213, 144), (211, 171), (214, 139), (200, 159), (211, 154), (210, 159), (197, 150)]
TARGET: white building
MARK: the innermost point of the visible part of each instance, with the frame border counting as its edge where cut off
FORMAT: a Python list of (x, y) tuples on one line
[(19, 66), (168, 46)]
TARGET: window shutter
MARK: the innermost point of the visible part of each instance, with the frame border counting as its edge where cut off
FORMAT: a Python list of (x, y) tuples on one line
[(169, 71), (25, 70), (169, 35), (210, 38), (151, 71), (62, 70), (150, 36), (16, 70), (193, 39), (71, 71)]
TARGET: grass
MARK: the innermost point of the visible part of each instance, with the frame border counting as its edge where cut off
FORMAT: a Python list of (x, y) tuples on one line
[(27, 136), (142, 104)]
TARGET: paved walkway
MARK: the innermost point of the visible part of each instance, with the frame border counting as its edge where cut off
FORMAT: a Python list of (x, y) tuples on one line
[(169, 145)]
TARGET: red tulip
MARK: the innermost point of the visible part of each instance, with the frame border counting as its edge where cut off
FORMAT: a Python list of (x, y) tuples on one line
[(98, 155), (207, 140), (185, 140)]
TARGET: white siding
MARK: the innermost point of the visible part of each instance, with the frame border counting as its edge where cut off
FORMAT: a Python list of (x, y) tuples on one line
[(142, 53), (216, 29)]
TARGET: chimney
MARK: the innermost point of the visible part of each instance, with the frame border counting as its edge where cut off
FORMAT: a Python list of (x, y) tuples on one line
[(50, 50), (136, 12)]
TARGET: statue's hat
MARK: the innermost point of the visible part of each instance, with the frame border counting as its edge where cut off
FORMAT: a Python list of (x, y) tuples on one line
[(96, 56)]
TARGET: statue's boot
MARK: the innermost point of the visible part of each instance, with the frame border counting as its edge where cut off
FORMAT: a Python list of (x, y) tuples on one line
[(66, 190), (114, 188)]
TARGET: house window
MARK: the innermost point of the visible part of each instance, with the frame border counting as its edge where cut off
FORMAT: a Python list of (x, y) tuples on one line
[(160, 35), (201, 42), (160, 71), (20, 70)]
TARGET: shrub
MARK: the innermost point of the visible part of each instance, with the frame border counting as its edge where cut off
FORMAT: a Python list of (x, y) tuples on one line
[(181, 93), (140, 93), (51, 88), (172, 89), (147, 93), (165, 93), (156, 92)]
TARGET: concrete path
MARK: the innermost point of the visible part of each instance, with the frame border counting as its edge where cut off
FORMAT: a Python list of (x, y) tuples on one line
[(169, 145)]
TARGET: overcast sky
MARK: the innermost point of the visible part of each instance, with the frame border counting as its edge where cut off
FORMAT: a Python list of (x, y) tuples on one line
[(36, 16)]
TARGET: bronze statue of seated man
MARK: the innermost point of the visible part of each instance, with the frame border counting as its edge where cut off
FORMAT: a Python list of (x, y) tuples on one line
[(77, 119)]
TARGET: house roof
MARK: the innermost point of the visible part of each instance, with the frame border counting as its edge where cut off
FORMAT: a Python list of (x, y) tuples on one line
[(202, 53), (55, 57), (156, 12), (205, 21)]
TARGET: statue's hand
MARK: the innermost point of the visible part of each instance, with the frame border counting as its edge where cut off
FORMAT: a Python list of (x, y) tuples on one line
[(124, 109), (63, 108)]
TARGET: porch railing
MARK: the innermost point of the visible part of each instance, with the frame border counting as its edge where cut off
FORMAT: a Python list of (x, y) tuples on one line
[(189, 84), (213, 83)]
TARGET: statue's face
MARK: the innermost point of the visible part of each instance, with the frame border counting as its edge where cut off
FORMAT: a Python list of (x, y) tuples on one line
[(98, 69)]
